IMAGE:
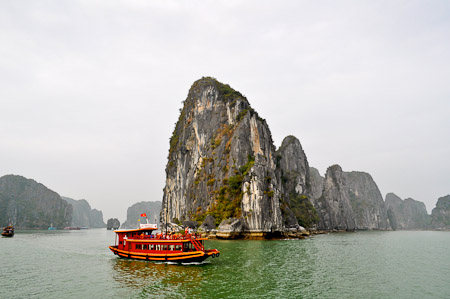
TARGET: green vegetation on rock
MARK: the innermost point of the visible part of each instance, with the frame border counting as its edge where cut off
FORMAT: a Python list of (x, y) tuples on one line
[(305, 213)]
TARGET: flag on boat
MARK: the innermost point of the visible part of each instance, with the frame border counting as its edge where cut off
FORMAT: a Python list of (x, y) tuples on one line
[(144, 215)]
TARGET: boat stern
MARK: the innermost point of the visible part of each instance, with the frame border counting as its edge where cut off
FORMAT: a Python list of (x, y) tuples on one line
[(212, 253)]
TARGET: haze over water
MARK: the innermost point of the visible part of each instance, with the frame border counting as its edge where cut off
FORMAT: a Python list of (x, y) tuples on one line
[(76, 264)]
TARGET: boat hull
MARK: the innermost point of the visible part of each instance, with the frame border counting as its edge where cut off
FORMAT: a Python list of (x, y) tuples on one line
[(183, 257)]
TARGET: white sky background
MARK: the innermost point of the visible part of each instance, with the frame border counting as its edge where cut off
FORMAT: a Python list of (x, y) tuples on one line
[(90, 90)]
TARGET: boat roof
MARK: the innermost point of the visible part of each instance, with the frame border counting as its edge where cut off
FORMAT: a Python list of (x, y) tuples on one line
[(142, 228), (135, 230)]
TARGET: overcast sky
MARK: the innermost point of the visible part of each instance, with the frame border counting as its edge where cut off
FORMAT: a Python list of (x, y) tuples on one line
[(90, 90)]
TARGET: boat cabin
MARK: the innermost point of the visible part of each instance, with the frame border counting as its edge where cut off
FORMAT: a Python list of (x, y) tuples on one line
[(145, 243)]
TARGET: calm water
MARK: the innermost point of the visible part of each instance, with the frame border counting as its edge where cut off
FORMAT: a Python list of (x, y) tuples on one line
[(77, 264)]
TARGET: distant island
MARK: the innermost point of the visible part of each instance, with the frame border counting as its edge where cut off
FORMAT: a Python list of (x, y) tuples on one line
[(150, 208), (83, 215), (30, 205), (224, 169)]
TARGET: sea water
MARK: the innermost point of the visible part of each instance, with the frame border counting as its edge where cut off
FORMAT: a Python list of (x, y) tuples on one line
[(78, 264)]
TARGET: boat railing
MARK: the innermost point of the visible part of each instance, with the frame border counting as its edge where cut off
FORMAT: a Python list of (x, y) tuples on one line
[(168, 237), (197, 244)]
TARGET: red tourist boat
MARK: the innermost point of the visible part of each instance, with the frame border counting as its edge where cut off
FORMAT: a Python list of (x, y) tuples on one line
[(8, 231), (142, 244)]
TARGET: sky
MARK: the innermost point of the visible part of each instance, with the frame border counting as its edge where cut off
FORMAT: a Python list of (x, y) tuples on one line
[(90, 90)]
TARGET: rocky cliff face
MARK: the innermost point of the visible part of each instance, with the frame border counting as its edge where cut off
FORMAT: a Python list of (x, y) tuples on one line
[(112, 223), (406, 214), (151, 208), (222, 162), (316, 182), (366, 201), (293, 174), (31, 205), (348, 201), (334, 206), (96, 219), (441, 213), (83, 215)]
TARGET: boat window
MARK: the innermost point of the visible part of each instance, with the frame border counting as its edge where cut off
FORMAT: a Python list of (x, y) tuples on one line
[(138, 246), (152, 247), (145, 247), (120, 242), (171, 247), (177, 247), (158, 247)]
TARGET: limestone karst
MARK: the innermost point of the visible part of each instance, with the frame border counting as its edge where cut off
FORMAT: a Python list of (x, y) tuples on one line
[(223, 163), (31, 205), (440, 216), (406, 214), (150, 208), (83, 215)]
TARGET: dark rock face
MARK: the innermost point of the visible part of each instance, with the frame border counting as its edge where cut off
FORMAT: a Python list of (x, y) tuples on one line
[(151, 208), (441, 213), (366, 200), (83, 215), (31, 205), (208, 224), (222, 161), (293, 166), (348, 201), (230, 228), (190, 223), (406, 214), (334, 206), (96, 219), (316, 181), (295, 185), (112, 223)]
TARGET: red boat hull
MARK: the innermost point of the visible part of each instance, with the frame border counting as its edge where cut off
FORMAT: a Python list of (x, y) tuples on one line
[(182, 257)]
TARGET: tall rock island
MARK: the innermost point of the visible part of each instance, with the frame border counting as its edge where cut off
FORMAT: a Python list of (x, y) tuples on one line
[(440, 216), (224, 172), (222, 162), (31, 205), (83, 215), (348, 201), (406, 214)]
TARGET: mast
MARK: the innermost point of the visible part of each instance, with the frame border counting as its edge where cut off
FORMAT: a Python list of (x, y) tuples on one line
[(167, 212)]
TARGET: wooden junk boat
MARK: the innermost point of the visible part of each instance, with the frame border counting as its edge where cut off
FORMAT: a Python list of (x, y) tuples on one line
[(141, 244), (8, 231)]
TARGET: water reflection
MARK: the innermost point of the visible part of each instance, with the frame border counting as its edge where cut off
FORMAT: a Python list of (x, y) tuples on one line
[(158, 279)]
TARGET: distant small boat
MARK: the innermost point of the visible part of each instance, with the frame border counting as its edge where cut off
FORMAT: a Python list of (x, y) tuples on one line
[(71, 228), (8, 231), (51, 227)]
